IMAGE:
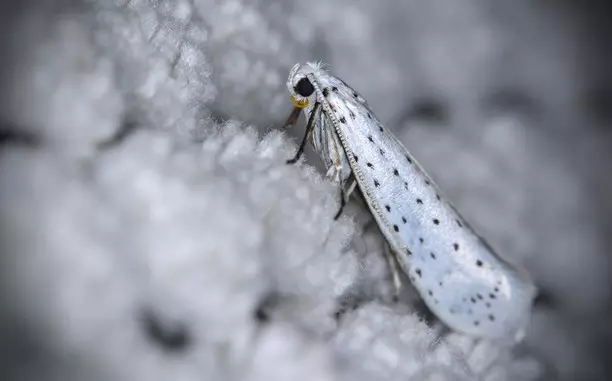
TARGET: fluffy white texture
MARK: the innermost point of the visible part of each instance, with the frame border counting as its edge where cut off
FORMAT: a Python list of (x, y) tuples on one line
[(379, 343), (186, 235), (263, 193), (183, 234), (250, 45), (367, 338), (104, 63), (102, 243), (55, 211), (167, 69), (60, 82)]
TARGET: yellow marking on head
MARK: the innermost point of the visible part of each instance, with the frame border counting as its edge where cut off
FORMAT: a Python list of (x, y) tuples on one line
[(299, 104)]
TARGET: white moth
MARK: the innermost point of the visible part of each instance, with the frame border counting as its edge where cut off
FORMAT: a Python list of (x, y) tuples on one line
[(462, 280)]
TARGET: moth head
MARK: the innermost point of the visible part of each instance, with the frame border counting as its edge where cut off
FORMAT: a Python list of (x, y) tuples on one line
[(300, 87)]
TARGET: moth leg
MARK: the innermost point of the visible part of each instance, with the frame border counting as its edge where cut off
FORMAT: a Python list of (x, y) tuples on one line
[(342, 201), (351, 188), (293, 117), (344, 197), (309, 128), (395, 276), (336, 172)]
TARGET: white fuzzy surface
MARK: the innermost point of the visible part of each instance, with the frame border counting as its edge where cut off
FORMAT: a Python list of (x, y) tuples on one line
[(152, 197)]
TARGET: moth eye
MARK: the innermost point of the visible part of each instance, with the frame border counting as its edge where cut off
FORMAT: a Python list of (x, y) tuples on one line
[(304, 87)]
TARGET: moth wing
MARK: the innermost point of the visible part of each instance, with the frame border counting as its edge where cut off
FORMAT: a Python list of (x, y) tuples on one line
[(457, 274)]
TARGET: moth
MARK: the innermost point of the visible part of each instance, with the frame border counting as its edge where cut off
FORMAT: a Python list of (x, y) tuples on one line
[(461, 279)]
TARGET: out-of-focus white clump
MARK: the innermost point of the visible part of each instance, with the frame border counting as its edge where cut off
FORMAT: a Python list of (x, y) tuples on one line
[(108, 64), (168, 47), (66, 289), (156, 236), (253, 191), (59, 81), (377, 342), (250, 45)]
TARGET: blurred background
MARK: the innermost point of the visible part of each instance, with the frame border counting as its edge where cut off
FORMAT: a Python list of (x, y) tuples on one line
[(120, 174)]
